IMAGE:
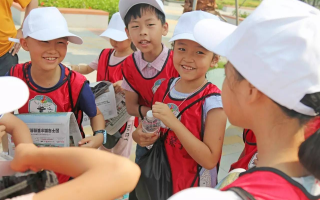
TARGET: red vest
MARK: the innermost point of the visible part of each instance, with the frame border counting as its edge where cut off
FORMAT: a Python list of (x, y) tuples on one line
[(184, 169), (270, 184), (62, 99), (146, 87), (250, 149), (106, 71)]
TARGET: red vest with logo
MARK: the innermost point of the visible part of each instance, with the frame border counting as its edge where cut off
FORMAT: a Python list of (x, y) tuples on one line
[(64, 98), (146, 87), (270, 184), (184, 169), (250, 147), (107, 72)]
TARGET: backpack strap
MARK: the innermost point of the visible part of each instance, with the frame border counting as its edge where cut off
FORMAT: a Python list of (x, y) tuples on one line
[(242, 193)]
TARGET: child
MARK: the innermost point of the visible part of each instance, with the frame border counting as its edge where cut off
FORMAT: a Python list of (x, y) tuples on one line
[(272, 87), (192, 144), (144, 71), (52, 86), (108, 66)]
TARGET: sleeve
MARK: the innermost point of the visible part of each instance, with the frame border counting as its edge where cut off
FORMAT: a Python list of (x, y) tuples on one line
[(211, 103), (126, 86), (94, 64), (87, 101), (23, 3), (24, 197)]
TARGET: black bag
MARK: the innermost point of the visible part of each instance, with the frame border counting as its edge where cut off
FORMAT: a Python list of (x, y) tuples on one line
[(21, 184), (155, 182)]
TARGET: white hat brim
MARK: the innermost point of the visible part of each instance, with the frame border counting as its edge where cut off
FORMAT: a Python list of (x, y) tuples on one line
[(114, 34), (15, 94), (54, 33), (183, 36), (213, 35)]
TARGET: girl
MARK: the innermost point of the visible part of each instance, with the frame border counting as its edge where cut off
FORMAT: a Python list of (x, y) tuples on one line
[(108, 66), (193, 145), (272, 87)]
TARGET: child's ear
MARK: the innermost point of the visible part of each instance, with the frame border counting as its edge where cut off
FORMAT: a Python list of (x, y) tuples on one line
[(165, 29), (215, 60), (24, 44), (127, 32)]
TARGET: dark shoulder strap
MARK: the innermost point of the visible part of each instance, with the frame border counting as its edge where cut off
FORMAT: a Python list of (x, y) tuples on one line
[(242, 193)]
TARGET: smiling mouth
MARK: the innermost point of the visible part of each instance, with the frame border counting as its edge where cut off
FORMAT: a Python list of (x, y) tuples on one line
[(144, 42), (50, 58), (187, 67)]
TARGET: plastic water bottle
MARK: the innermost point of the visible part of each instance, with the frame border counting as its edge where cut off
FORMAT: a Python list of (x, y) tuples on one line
[(150, 124)]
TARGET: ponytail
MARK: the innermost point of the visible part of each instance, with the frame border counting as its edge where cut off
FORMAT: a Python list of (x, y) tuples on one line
[(309, 153)]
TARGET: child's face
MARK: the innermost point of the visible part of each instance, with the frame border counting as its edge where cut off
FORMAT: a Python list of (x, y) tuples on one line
[(120, 46), (146, 32), (191, 60), (233, 97), (46, 54)]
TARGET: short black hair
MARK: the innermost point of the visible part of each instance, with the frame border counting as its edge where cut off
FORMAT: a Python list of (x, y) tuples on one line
[(137, 10)]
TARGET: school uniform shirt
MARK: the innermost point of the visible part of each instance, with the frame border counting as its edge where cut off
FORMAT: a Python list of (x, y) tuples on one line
[(144, 78), (185, 170)]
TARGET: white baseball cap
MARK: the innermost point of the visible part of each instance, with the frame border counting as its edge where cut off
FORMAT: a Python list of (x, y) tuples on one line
[(205, 194), (46, 24), (187, 21), (116, 29), (125, 5), (277, 49), (14, 94)]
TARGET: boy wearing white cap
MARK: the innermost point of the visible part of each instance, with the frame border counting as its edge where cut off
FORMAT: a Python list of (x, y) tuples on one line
[(108, 66), (272, 87), (144, 70), (52, 86), (186, 105)]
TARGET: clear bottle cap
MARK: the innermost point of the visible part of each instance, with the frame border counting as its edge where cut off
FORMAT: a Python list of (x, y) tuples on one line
[(150, 115)]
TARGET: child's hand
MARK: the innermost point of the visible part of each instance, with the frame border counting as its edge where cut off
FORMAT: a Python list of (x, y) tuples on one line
[(2, 130), (163, 112), (117, 86), (144, 139), (92, 142), (22, 160)]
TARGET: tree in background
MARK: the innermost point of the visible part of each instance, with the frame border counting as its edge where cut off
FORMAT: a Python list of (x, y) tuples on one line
[(205, 5)]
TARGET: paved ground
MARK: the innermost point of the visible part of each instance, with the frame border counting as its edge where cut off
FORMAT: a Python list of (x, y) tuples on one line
[(93, 45)]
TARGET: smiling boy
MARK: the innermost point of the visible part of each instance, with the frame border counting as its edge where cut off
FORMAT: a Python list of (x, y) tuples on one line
[(147, 68), (52, 86)]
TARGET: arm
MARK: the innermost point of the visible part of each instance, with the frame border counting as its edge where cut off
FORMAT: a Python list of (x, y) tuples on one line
[(33, 4), (107, 171), (97, 123), (207, 152), (88, 105), (17, 128), (83, 69), (132, 104)]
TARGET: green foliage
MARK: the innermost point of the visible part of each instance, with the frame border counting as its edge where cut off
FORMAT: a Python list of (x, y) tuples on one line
[(243, 3), (220, 65), (110, 6), (241, 14)]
